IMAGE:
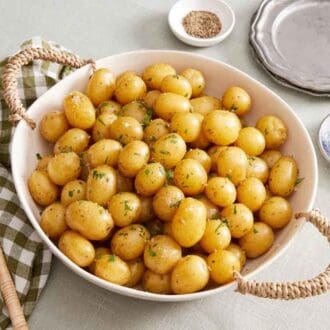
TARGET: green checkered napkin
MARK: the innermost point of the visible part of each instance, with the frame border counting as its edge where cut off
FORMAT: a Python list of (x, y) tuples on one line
[(27, 258)]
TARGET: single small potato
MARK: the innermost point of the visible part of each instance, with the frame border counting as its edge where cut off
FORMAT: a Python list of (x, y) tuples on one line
[(251, 140), (125, 208), (211, 209), (221, 127), (240, 254), (132, 158), (73, 191), (101, 184), (271, 157), (161, 254), (232, 163), (154, 74), (283, 177), (156, 283), (257, 168), (130, 89), (64, 167), (258, 240), (168, 104), (79, 110), (52, 220), (237, 100), (137, 269), (155, 227), (187, 124), (124, 183), (53, 125), (190, 176), (189, 275), (151, 97), (220, 191), (214, 152), (112, 269), (109, 107), (276, 212), (201, 156), (239, 218), (105, 151), (167, 201), (129, 242), (100, 251), (138, 111), (205, 104), (43, 162), (216, 236), (177, 84), (75, 139), (100, 86), (156, 128), (77, 248), (147, 211), (222, 265), (274, 130), (126, 129), (189, 221), (150, 179), (196, 80), (169, 150), (201, 142), (89, 219), (124, 75), (252, 193), (101, 128)]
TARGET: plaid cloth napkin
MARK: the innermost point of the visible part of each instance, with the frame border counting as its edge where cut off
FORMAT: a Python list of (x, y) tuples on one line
[(28, 259)]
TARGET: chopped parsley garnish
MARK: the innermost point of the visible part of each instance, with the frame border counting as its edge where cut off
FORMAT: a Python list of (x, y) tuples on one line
[(112, 258), (235, 209), (151, 252), (71, 193), (228, 176), (38, 156), (147, 118), (98, 175), (101, 121), (126, 206), (169, 175), (298, 181), (255, 230), (147, 171)]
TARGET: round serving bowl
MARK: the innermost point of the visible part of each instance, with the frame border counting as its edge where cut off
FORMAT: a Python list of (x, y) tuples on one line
[(26, 143)]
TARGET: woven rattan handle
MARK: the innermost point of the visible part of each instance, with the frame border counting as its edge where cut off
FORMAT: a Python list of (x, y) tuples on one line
[(292, 290), (11, 70)]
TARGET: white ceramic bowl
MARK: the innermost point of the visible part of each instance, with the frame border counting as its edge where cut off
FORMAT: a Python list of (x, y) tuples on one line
[(182, 7), (27, 143)]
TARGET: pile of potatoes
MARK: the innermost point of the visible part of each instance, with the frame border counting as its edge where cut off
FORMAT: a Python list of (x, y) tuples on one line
[(151, 181)]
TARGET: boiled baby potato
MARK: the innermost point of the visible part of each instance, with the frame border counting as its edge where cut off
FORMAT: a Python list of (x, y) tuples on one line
[(239, 219), (161, 254), (154, 74), (205, 104), (125, 208), (98, 253), (196, 80), (240, 254), (126, 129), (274, 130), (130, 89), (129, 242), (177, 84), (251, 140), (132, 158), (257, 168), (189, 275), (43, 162), (166, 202), (64, 167), (214, 152), (53, 125), (151, 98), (258, 240), (189, 221), (138, 111), (211, 209), (75, 139), (237, 100), (73, 191), (77, 248), (137, 269), (220, 191), (124, 183), (112, 269), (147, 211), (221, 127), (271, 157), (156, 283), (89, 219), (79, 110), (102, 126), (101, 184), (283, 177), (124, 75), (168, 104), (276, 212), (150, 179), (109, 107), (154, 130), (187, 125), (201, 156), (52, 220), (100, 86)]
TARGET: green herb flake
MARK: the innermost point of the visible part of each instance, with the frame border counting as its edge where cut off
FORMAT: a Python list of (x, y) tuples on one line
[(298, 181), (255, 230), (101, 121), (126, 206), (228, 176), (112, 258), (147, 118), (169, 175), (175, 204), (98, 175), (147, 171), (235, 209), (151, 252), (70, 193), (38, 156)]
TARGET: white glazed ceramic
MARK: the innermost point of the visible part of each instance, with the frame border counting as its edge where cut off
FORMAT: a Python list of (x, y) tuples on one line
[(27, 143), (182, 7), (324, 138)]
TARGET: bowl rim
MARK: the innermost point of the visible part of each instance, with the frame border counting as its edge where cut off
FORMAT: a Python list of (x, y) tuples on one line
[(131, 292)]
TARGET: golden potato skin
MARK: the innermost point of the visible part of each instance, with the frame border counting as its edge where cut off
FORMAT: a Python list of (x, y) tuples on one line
[(43, 162), (136, 110), (98, 253), (189, 221), (201, 142), (196, 80), (240, 254), (237, 100), (73, 191), (189, 275), (100, 86), (79, 110), (130, 89), (176, 84), (156, 283), (271, 157), (156, 128), (257, 168), (53, 125), (154, 74), (214, 153), (211, 209), (201, 156), (42, 189), (124, 75), (102, 126), (89, 219), (205, 104), (251, 140), (187, 125), (75, 139), (77, 248), (283, 177), (161, 254), (137, 269), (258, 240), (220, 191), (126, 129), (151, 97), (52, 220), (109, 107)]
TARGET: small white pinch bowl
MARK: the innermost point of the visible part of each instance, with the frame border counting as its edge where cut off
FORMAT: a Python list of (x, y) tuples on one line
[(182, 7)]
